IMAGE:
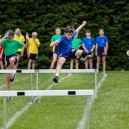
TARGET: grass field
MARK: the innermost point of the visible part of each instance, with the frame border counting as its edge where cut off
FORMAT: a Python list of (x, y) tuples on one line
[(109, 112)]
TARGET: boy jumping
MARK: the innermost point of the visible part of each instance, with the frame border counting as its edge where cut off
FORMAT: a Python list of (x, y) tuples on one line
[(65, 50)]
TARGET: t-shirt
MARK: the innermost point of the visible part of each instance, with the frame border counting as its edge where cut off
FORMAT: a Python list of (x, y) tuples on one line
[(101, 41), (65, 44), (76, 43), (10, 47), (19, 38), (54, 38), (1, 49), (33, 48), (88, 43)]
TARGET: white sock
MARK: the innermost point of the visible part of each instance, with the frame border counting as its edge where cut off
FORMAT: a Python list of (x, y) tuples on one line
[(57, 75)]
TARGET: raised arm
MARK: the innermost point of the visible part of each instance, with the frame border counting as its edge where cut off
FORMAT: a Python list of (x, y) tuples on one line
[(81, 26), (6, 35)]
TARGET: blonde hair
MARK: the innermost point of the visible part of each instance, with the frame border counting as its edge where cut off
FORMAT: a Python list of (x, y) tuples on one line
[(34, 33), (18, 30)]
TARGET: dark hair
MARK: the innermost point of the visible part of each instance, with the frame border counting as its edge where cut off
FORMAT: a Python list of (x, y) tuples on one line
[(88, 31), (69, 29)]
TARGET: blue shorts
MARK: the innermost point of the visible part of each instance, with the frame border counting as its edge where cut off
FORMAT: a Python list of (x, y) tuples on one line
[(56, 50), (70, 54), (33, 56), (8, 57), (100, 51)]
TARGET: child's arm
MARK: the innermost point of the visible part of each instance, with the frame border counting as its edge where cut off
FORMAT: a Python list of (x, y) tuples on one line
[(54, 43), (96, 48), (81, 26), (37, 43), (93, 48), (83, 46), (6, 35), (106, 48), (1, 54)]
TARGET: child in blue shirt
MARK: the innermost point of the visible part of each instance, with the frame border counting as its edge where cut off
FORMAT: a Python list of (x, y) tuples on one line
[(88, 45), (65, 50), (101, 49)]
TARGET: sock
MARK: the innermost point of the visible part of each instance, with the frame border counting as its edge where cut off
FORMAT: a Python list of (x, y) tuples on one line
[(84, 54), (57, 75), (13, 74)]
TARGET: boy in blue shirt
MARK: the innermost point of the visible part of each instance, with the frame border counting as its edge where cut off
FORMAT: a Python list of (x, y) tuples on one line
[(65, 50), (88, 45), (101, 49)]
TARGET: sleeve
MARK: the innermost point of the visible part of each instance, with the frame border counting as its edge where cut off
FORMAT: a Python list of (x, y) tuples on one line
[(52, 38), (93, 42), (23, 39), (3, 43), (38, 41), (106, 39), (74, 34), (80, 41), (83, 41), (96, 42), (20, 45), (60, 39)]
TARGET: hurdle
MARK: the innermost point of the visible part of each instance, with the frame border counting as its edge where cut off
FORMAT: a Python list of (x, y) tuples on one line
[(87, 93), (37, 71)]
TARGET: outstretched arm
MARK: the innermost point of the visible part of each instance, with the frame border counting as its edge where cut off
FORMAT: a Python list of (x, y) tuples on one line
[(54, 43), (81, 26), (6, 35)]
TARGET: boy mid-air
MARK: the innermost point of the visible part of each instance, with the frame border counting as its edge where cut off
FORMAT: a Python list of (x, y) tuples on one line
[(65, 50)]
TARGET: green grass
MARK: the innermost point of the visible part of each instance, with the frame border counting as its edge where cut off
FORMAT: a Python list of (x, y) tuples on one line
[(109, 112)]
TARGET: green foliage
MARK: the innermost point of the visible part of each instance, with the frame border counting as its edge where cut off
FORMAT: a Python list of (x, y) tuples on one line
[(44, 16)]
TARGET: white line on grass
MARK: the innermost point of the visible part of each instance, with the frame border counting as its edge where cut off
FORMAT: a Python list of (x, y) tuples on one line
[(81, 124), (17, 114)]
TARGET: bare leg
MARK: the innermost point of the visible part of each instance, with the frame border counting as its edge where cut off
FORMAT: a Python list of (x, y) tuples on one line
[(104, 63), (76, 62), (91, 63), (98, 62), (18, 59), (86, 64), (33, 64), (60, 62), (53, 61), (12, 60), (1, 65), (8, 75), (29, 63), (71, 64)]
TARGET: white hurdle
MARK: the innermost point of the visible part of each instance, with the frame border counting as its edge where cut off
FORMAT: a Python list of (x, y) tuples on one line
[(87, 93)]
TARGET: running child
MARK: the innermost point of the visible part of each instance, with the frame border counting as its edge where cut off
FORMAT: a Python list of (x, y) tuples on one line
[(65, 50), (88, 45), (10, 47), (18, 36), (76, 43), (55, 48), (33, 45), (101, 49), (1, 56)]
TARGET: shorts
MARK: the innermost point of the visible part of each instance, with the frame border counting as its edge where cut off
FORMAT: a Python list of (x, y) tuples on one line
[(8, 57), (55, 50), (70, 54), (33, 56), (18, 53), (100, 51)]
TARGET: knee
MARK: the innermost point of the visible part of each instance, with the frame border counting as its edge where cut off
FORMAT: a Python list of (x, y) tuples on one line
[(60, 63), (11, 60)]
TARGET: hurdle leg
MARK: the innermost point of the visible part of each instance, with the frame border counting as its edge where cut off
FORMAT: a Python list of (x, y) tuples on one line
[(4, 112), (31, 83), (37, 76), (88, 113)]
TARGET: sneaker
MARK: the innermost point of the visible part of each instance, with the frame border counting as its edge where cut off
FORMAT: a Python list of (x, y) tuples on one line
[(10, 98), (103, 72), (55, 79), (88, 57), (13, 76)]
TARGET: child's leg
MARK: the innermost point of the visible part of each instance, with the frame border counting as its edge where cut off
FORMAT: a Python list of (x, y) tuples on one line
[(91, 63), (104, 63), (18, 59), (8, 75), (29, 63), (98, 62), (53, 61), (60, 63), (33, 64), (76, 62), (71, 63), (1, 65), (86, 64), (11, 61)]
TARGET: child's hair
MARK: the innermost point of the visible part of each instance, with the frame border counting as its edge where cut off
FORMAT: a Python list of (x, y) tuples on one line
[(57, 28), (101, 29), (69, 29), (17, 29), (34, 33), (88, 31)]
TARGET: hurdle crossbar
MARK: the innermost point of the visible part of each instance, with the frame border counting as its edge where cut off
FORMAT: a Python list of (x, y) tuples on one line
[(48, 71)]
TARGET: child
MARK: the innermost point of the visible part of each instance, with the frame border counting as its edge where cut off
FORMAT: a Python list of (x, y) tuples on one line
[(55, 48), (88, 45), (1, 56), (65, 50), (10, 47), (75, 44), (101, 49), (18, 36), (32, 44)]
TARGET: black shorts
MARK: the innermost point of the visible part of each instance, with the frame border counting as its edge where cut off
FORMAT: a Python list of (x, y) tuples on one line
[(33, 56), (18, 53), (8, 57), (70, 54), (100, 51), (56, 50)]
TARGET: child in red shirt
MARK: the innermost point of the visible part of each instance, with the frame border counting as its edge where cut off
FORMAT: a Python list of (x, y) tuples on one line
[(1, 56)]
